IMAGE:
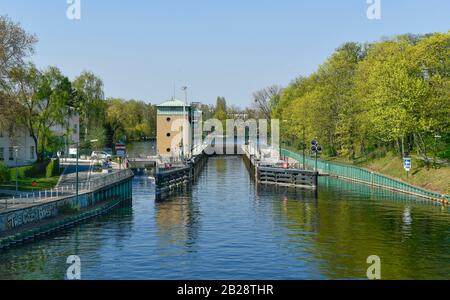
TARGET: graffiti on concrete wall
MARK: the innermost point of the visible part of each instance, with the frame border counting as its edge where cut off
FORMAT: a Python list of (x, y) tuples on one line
[(29, 215)]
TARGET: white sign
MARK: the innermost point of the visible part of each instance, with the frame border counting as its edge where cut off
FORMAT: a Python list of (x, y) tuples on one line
[(121, 150), (120, 153), (73, 151), (407, 164)]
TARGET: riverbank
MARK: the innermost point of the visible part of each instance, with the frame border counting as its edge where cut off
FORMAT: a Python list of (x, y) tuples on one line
[(366, 176), (38, 216), (26, 184), (435, 179)]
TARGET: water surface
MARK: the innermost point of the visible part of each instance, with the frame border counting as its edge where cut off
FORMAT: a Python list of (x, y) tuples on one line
[(225, 227)]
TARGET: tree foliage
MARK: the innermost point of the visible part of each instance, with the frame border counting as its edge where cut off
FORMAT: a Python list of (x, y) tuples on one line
[(392, 94), (15, 46), (135, 120)]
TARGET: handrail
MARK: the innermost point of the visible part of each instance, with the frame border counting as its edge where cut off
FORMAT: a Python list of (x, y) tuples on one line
[(367, 176), (65, 191)]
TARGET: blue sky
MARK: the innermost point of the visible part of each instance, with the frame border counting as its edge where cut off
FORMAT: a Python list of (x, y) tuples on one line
[(224, 48)]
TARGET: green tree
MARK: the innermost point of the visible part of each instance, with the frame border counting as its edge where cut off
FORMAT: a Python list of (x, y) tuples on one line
[(44, 99), (90, 101), (394, 92), (15, 46), (220, 110)]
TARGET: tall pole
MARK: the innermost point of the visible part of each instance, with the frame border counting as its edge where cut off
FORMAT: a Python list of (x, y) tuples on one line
[(186, 119), (304, 148), (76, 169), (17, 172), (316, 161)]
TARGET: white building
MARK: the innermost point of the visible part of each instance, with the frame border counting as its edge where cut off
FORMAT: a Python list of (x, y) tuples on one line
[(23, 143), (20, 141), (71, 128)]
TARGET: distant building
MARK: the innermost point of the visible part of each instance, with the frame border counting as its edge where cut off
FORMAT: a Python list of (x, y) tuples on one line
[(69, 132), (240, 116), (167, 113), (19, 138)]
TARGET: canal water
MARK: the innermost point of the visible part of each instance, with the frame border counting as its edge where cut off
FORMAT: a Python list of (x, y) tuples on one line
[(225, 227)]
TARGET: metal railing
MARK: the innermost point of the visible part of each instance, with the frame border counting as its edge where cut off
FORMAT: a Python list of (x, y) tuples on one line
[(64, 191), (366, 176)]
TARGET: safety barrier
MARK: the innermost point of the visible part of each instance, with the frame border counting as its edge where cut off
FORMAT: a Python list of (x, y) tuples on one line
[(366, 176), (64, 191)]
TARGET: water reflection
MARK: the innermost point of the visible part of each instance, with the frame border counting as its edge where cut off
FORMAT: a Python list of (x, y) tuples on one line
[(352, 222), (46, 258), (226, 227), (178, 222)]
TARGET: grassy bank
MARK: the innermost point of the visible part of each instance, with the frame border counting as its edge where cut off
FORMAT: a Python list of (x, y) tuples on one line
[(434, 179), (25, 185), (45, 176)]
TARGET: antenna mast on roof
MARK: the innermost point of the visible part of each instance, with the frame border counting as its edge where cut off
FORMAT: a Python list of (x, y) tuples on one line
[(173, 97)]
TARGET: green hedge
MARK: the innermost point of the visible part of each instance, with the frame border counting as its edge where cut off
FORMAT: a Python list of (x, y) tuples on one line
[(47, 169), (52, 168), (4, 173), (25, 172)]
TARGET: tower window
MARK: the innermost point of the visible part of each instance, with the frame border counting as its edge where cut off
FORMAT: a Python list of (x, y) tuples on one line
[(168, 119), (168, 150), (168, 134)]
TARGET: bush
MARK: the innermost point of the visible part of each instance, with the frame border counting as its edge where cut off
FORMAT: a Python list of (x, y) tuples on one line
[(25, 172), (30, 171), (52, 168), (4, 173)]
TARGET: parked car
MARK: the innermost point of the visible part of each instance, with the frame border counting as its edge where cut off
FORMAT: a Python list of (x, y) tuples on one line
[(100, 155), (108, 151)]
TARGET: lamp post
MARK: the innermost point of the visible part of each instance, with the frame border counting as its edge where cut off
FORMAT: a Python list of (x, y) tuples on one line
[(316, 149), (184, 88), (76, 169), (304, 148), (436, 137), (16, 152)]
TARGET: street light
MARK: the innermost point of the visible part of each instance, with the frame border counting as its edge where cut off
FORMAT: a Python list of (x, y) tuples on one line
[(77, 144), (76, 170), (316, 148), (184, 88), (436, 137), (16, 151)]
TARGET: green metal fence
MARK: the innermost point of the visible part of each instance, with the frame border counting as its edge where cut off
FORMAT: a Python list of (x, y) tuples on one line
[(366, 176)]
